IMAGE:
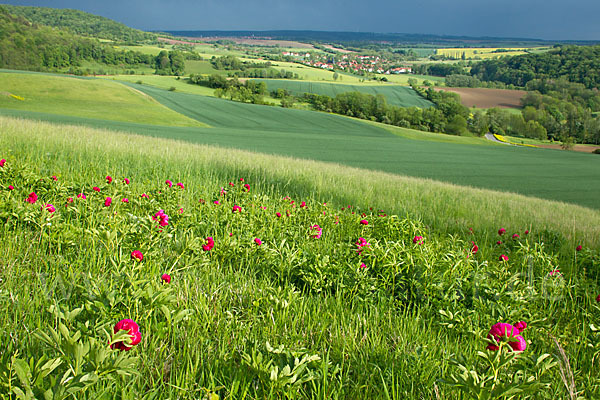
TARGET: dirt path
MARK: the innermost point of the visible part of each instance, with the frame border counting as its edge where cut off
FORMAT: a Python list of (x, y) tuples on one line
[(490, 136)]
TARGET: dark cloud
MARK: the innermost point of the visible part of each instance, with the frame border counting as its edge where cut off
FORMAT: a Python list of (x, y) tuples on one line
[(549, 19)]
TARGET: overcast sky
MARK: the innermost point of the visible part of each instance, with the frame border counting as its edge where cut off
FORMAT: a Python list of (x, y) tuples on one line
[(538, 19)]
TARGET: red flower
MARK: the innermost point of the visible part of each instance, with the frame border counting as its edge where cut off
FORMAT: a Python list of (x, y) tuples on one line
[(107, 202), (133, 329), (69, 200), (180, 185), (362, 265), (247, 187), (126, 181), (125, 200), (515, 236), (278, 215), (81, 196), (598, 298), (503, 257), (236, 209), (165, 278), (579, 248), (501, 231), (169, 183), (144, 196), (50, 208), (108, 179), (241, 179), (475, 248), (2, 162), (32, 198), (502, 332), (96, 189), (364, 222), (258, 241), (418, 239), (11, 187), (527, 232), (210, 243), (54, 178), (137, 255), (231, 184), (499, 242)]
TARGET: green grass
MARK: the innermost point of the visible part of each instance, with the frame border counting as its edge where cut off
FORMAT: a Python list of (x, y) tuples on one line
[(88, 98), (561, 176), (402, 79), (400, 96), (384, 331), (166, 83)]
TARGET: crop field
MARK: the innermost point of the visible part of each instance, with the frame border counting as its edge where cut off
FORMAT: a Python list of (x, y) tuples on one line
[(175, 270), (488, 98), (395, 95), (90, 98), (166, 83), (332, 138), (481, 52), (313, 74), (402, 79)]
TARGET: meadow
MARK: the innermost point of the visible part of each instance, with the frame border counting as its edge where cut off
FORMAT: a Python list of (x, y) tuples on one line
[(286, 278), (81, 97), (332, 138), (485, 52), (400, 96)]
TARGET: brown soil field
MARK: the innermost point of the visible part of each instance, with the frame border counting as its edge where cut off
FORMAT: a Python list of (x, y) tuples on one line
[(344, 51), (261, 42), (488, 98), (577, 147)]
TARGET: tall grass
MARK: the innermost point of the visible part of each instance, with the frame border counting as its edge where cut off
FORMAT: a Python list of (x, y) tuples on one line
[(296, 317)]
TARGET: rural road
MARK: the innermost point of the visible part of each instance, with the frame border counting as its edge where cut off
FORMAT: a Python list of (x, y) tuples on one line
[(490, 136)]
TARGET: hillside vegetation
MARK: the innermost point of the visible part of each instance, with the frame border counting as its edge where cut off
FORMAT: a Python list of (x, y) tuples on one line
[(247, 276), (80, 23)]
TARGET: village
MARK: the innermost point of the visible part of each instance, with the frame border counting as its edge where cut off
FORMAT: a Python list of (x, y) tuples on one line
[(358, 64)]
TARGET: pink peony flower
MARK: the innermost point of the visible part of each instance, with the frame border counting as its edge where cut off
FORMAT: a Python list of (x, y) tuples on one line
[(578, 248), (247, 187), (501, 231), (362, 265), (180, 185), (145, 196), (303, 204), (169, 183), (32, 198), (210, 243), (96, 189), (499, 242), (216, 202), (364, 222), (161, 217), (137, 255), (554, 272), (180, 210), (231, 184), (502, 332), (475, 248), (54, 178), (278, 214), (201, 201), (125, 200), (241, 179), (2, 162), (134, 332), (361, 243), (107, 202), (503, 257), (69, 200), (316, 231), (165, 278), (527, 232), (418, 239), (257, 241), (236, 209), (81, 196), (515, 236), (11, 187), (50, 208), (126, 181), (108, 179)]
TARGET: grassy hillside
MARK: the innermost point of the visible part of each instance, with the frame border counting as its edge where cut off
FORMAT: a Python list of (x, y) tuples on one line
[(400, 96), (368, 305), (80, 22), (90, 98)]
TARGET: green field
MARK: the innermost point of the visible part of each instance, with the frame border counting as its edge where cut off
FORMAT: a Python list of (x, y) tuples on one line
[(89, 98), (400, 96), (332, 138), (166, 83)]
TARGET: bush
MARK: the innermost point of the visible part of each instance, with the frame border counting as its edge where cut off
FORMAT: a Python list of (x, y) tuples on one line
[(172, 89)]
